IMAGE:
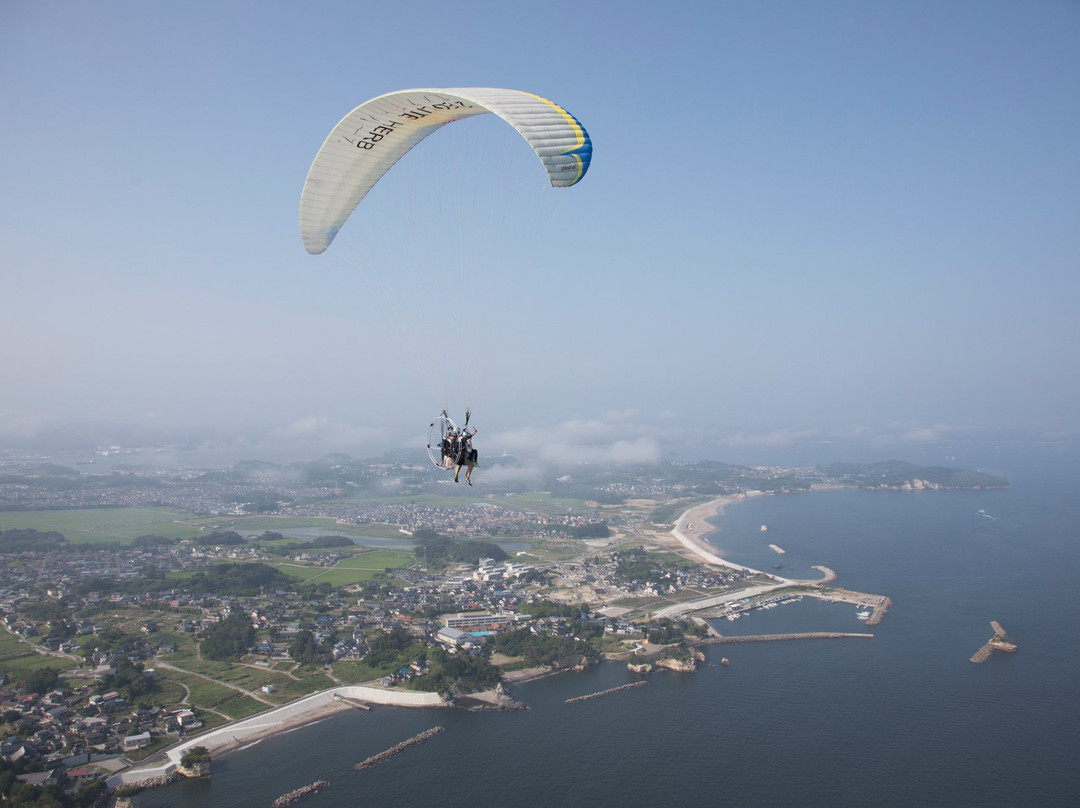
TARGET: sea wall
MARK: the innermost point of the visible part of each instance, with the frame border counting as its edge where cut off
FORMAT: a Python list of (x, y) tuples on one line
[(289, 716)]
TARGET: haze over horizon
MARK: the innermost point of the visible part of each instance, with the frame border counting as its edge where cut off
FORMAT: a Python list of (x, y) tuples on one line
[(834, 222)]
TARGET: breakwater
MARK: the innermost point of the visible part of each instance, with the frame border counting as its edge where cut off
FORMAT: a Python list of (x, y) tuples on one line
[(397, 748), (806, 635), (607, 692), (878, 605), (998, 642), (299, 793), (126, 792), (878, 611)]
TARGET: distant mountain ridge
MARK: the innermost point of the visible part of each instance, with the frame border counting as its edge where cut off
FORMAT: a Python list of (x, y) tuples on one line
[(901, 475)]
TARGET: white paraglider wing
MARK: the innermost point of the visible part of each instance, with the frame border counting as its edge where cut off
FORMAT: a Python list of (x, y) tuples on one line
[(375, 135)]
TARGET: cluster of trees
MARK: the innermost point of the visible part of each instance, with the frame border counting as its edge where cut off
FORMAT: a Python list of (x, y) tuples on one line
[(330, 541), (638, 566), (223, 538), (437, 550), (229, 639), (41, 680), (548, 608), (388, 651), (130, 680), (306, 650), (456, 674), (196, 754), (243, 579), (153, 540), (537, 650), (593, 530), (20, 539), (666, 631)]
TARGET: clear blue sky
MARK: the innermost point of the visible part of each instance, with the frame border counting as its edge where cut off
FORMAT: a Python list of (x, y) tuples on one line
[(803, 220)]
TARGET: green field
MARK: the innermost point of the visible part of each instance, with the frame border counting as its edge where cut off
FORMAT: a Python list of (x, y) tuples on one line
[(105, 525), (122, 525), (352, 570), (18, 658)]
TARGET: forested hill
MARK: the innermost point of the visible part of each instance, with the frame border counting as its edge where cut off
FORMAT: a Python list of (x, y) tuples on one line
[(902, 475)]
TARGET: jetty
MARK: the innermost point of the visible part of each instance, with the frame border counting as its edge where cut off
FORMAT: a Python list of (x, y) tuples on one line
[(878, 605), (806, 635), (607, 692), (359, 705), (298, 794), (998, 642), (398, 748)]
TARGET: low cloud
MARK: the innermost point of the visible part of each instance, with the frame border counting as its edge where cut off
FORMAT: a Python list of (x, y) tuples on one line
[(320, 431), (615, 439), (20, 426)]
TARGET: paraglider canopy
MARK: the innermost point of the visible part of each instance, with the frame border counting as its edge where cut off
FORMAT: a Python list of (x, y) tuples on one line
[(367, 142)]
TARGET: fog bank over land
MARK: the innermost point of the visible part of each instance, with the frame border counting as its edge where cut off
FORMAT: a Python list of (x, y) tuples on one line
[(614, 438)]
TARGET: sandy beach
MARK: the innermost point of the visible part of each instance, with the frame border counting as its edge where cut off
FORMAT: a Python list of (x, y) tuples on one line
[(693, 525)]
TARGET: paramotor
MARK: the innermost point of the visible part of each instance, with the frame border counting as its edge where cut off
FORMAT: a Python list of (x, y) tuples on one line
[(365, 145), (438, 441)]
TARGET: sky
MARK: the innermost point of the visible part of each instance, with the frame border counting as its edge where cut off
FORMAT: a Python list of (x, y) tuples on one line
[(829, 221)]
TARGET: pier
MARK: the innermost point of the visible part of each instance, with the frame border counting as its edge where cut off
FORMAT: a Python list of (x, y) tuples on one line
[(998, 642), (397, 748), (607, 692)]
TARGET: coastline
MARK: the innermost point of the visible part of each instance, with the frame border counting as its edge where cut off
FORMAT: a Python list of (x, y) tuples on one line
[(692, 527), (689, 531), (300, 713)]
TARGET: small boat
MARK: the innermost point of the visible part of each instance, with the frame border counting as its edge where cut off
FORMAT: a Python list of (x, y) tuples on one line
[(863, 615)]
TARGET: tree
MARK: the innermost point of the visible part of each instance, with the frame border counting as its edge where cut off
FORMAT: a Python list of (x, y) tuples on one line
[(305, 650), (42, 680), (229, 639), (130, 679), (244, 579), (196, 754), (456, 674)]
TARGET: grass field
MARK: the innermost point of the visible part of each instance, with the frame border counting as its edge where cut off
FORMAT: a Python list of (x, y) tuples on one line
[(352, 570), (18, 658), (122, 525), (105, 525)]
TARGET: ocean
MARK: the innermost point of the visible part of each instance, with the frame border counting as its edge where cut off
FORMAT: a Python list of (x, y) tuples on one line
[(902, 719)]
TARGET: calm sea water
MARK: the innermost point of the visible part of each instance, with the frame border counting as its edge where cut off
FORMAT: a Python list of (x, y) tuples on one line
[(902, 719)]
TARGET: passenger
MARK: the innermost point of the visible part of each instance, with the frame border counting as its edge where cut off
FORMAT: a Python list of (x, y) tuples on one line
[(466, 456)]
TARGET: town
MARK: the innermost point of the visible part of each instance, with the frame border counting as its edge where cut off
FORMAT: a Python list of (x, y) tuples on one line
[(183, 611)]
